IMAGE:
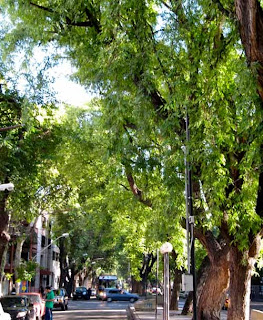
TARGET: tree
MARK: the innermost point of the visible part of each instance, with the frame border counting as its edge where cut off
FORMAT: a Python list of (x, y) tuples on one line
[(24, 141)]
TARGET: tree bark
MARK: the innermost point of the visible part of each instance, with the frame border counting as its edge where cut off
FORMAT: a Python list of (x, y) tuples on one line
[(176, 289), (3, 262), (213, 276), (62, 264), (137, 286), (201, 278), (250, 17), (4, 222), (214, 289), (4, 235), (240, 276), (19, 245), (147, 264)]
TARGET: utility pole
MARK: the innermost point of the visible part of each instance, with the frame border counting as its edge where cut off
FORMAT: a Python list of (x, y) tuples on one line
[(157, 284), (190, 215)]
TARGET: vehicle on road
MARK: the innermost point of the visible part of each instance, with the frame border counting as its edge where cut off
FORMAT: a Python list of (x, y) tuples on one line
[(155, 290), (18, 307), (81, 293), (183, 294), (61, 299), (38, 303), (4, 315), (113, 294)]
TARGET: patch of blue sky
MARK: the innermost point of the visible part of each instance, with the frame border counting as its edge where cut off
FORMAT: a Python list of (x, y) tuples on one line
[(45, 79), (39, 76)]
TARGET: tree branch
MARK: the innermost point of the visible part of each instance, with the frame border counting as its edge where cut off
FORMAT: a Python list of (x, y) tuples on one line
[(135, 190), (41, 7), (11, 127)]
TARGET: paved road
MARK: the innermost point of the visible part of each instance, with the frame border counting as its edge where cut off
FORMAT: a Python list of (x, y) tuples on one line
[(92, 310), (100, 310)]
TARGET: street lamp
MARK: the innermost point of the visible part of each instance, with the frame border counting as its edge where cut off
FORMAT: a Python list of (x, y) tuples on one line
[(165, 249), (7, 186), (64, 235)]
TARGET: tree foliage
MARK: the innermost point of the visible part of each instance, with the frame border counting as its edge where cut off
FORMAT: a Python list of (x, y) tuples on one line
[(154, 62)]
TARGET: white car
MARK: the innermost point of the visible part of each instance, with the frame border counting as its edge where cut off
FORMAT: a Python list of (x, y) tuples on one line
[(4, 315)]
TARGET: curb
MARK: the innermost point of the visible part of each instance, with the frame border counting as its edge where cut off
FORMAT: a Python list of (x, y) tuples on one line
[(131, 314)]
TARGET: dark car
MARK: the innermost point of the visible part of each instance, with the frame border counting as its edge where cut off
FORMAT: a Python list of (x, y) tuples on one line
[(111, 294), (61, 299), (81, 293), (18, 307)]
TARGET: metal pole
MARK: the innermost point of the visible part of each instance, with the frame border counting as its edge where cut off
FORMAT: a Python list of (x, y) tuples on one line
[(187, 211), (157, 276), (166, 287), (191, 219)]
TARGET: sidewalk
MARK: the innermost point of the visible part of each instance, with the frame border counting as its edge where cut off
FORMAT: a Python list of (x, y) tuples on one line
[(149, 315), (174, 315)]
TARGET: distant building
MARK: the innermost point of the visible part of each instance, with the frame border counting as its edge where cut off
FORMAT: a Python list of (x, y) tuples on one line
[(37, 247)]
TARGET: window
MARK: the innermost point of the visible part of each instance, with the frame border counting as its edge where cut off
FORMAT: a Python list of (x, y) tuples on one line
[(55, 256)]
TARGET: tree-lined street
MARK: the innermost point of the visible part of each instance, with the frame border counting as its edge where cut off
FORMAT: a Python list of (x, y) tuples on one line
[(170, 149)]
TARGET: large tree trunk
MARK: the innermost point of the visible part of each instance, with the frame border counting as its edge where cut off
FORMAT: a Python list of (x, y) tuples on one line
[(202, 275), (250, 16), (19, 245), (176, 289), (69, 285), (240, 276), (62, 264), (213, 277), (2, 264), (214, 289), (147, 264), (137, 286), (4, 222), (4, 235)]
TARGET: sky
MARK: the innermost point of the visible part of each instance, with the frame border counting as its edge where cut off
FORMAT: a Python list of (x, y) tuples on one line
[(67, 90)]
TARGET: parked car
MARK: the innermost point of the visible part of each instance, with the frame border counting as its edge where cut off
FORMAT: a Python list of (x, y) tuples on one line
[(183, 294), (156, 291), (112, 294), (38, 303), (18, 307), (61, 299), (4, 315), (81, 293)]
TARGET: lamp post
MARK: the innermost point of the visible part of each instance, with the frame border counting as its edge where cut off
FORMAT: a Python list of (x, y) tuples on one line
[(157, 276), (165, 249), (7, 186), (64, 235), (37, 258)]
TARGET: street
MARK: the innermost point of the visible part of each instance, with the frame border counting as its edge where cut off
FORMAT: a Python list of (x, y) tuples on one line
[(92, 310), (95, 310)]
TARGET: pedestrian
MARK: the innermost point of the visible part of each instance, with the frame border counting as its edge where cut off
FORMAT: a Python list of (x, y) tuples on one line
[(88, 293), (49, 303)]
